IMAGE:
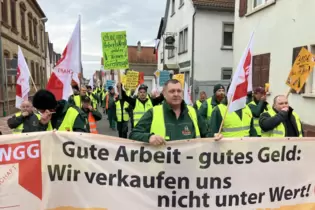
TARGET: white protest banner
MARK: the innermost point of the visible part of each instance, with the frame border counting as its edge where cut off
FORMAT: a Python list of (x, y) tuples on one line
[(73, 171)]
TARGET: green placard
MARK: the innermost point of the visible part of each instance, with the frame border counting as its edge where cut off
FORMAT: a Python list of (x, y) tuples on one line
[(115, 50)]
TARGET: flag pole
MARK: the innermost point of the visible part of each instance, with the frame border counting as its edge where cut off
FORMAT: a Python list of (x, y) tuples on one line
[(229, 101), (81, 70)]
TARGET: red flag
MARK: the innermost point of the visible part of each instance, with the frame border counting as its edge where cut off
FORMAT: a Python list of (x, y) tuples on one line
[(68, 67), (242, 80), (141, 78)]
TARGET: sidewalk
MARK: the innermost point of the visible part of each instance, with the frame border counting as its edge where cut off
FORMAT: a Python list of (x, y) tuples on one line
[(3, 125)]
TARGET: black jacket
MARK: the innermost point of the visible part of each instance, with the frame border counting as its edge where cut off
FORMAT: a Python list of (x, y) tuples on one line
[(268, 123)]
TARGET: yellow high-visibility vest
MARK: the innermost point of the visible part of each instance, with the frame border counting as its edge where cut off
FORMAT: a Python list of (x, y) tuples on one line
[(140, 109), (69, 119), (198, 103), (158, 122), (210, 109), (20, 128), (279, 131), (121, 112), (233, 126), (256, 119)]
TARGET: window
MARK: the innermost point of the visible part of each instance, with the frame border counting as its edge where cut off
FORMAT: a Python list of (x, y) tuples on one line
[(227, 40), (171, 53), (30, 28), (4, 10), (173, 7), (295, 53), (226, 73), (261, 66), (13, 78), (13, 14), (33, 71), (7, 60), (35, 23), (257, 3), (183, 41), (22, 15), (37, 80), (41, 38)]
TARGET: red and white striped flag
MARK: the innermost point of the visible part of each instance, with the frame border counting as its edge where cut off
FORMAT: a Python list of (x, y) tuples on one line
[(22, 80), (242, 80), (67, 68)]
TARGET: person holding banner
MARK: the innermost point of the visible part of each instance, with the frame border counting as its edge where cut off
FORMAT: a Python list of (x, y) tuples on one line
[(27, 121), (110, 99), (258, 105), (281, 120), (170, 121)]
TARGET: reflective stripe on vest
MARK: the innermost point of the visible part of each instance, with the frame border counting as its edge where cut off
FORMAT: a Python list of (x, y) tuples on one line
[(140, 109), (158, 122), (279, 131), (121, 112), (233, 126), (198, 103), (69, 119), (256, 120), (209, 109), (92, 123)]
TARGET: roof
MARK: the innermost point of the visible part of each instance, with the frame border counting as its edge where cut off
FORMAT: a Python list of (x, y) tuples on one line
[(145, 56), (219, 4)]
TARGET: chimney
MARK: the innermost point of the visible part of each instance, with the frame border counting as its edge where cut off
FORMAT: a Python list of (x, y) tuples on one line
[(139, 46)]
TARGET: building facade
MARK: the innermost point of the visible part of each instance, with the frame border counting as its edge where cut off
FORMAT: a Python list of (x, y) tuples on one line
[(141, 59), (277, 40), (22, 24), (202, 32)]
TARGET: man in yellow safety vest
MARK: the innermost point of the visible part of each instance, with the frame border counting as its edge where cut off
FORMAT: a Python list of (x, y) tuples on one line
[(27, 121), (202, 98), (142, 103), (281, 120), (172, 120), (258, 105)]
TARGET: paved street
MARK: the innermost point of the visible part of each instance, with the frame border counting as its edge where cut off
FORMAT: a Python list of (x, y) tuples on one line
[(103, 127)]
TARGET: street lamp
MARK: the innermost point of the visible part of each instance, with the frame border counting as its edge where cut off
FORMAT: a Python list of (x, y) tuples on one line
[(44, 20)]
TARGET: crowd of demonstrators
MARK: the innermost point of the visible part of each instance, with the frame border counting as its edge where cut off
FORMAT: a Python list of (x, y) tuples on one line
[(160, 117)]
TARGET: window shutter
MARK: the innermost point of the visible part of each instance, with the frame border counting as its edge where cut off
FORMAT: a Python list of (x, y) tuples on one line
[(296, 52), (257, 63), (265, 68), (243, 8)]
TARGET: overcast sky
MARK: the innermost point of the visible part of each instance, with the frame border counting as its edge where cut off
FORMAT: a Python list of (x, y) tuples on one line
[(140, 18)]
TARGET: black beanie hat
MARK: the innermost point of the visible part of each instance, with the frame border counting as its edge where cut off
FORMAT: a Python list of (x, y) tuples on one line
[(44, 99), (217, 87)]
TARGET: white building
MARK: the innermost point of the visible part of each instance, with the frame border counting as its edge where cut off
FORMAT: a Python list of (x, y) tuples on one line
[(281, 29), (203, 47)]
